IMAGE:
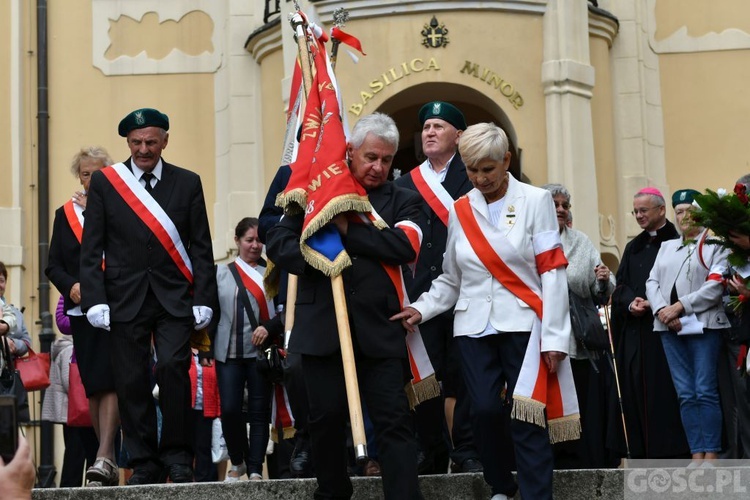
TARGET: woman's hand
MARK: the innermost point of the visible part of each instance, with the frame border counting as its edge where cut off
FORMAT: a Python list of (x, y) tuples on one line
[(602, 273), (675, 325), (737, 284), (409, 317), (75, 293), (259, 336), (669, 313), (553, 359), (739, 239), (79, 197), (4, 328)]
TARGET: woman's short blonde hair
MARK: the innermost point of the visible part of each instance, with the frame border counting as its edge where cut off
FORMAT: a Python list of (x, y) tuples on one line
[(482, 141), (92, 152)]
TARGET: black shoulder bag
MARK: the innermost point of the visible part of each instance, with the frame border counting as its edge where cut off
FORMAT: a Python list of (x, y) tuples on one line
[(10, 382), (585, 322), (269, 362)]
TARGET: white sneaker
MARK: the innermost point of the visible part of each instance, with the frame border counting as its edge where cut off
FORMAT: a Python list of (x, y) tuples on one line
[(235, 473), (499, 496)]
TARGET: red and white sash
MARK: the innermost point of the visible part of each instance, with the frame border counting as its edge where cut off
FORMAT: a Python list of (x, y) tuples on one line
[(433, 192), (74, 214), (536, 388), (281, 411), (151, 213), (253, 282), (423, 385)]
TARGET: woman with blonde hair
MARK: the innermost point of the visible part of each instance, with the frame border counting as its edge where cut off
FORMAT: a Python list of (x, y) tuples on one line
[(92, 345)]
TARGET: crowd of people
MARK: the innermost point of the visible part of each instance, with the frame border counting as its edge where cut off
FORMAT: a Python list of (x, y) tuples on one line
[(487, 263)]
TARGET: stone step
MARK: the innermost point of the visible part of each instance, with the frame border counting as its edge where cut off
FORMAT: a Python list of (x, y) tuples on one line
[(606, 484)]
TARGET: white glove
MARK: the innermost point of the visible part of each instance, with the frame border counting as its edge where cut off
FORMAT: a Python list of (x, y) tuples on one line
[(202, 315), (98, 316)]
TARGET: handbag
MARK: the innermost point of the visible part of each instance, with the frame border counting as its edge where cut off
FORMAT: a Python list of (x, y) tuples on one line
[(219, 451), (10, 383), (586, 325), (78, 404), (34, 370), (269, 361)]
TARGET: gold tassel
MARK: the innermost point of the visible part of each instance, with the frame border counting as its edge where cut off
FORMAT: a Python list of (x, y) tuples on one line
[(199, 340), (271, 279), (528, 410), (287, 433), (421, 391), (566, 428)]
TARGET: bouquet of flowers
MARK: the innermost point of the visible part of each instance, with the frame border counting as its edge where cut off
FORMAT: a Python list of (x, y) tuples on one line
[(726, 215)]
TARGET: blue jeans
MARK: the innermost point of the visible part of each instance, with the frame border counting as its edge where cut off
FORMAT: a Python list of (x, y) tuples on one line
[(693, 362), (232, 377)]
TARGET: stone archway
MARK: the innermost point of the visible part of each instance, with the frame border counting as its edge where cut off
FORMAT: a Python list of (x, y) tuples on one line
[(476, 107)]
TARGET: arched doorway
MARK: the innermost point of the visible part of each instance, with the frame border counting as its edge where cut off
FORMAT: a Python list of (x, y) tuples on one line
[(476, 107)]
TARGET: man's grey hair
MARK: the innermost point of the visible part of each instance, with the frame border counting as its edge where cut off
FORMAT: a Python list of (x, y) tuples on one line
[(378, 124)]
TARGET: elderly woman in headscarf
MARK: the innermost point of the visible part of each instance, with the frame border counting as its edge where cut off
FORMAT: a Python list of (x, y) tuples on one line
[(685, 289), (591, 280)]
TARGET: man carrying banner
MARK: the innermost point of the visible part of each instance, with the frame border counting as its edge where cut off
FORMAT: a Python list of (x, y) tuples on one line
[(371, 298), (440, 180), (148, 218)]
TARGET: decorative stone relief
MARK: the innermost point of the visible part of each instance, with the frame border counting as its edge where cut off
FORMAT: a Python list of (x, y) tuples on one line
[(686, 39), (143, 37)]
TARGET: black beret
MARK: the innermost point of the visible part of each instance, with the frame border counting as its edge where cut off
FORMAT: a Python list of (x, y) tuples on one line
[(142, 118), (444, 111), (683, 196)]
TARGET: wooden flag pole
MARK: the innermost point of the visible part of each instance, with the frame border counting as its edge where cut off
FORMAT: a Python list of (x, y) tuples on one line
[(339, 299)]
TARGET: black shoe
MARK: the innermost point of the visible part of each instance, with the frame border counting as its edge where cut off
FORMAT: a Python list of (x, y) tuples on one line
[(144, 476), (470, 465), (299, 465), (180, 473)]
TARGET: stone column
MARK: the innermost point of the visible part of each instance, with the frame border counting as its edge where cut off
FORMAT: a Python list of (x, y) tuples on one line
[(568, 80)]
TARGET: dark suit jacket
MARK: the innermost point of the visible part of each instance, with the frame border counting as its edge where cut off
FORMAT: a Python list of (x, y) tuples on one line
[(270, 213), (434, 232), (64, 257), (135, 260), (370, 295)]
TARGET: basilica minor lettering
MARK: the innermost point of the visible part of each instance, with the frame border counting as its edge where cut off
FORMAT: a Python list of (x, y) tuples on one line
[(493, 79), (418, 65)]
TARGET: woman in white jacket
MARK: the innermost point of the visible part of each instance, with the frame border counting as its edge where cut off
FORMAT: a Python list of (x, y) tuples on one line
[(504, 275), (685, 289)]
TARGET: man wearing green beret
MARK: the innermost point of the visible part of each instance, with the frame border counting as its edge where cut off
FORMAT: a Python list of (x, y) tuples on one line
[(148, 218), (440, 180)]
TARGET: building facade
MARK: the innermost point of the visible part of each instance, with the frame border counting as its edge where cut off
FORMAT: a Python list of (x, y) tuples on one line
[(604, 97)]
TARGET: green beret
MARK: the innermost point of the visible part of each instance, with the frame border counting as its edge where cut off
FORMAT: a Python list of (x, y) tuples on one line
[(683, 196), (142, 118), (444, 111)]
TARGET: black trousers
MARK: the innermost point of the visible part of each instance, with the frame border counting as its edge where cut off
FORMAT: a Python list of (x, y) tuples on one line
[(81, 446), (131, 355), (489, 363), (381, 384)]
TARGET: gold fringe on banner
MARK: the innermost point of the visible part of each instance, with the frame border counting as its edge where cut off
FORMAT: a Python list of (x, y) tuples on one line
[(337, 205), (271, 279)]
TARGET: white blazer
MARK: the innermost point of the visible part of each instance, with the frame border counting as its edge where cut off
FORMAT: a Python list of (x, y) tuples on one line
[(529, 221)]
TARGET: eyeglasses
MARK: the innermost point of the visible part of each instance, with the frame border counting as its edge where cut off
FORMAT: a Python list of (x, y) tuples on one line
[(565, 205), (642, 211)]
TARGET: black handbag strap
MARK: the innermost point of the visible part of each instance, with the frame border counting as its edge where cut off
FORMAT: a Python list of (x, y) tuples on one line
[(242, 292)]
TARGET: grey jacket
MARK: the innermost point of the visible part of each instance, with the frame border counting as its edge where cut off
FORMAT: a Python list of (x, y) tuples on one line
[(695, 270)]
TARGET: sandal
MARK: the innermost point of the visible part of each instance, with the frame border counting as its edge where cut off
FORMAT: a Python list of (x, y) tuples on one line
[(104, 472)]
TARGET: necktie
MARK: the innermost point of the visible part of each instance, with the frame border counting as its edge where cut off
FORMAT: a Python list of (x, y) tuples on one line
[(147, 177)]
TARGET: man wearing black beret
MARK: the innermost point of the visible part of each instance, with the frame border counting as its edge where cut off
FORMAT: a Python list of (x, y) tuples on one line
[(440, 180), (148, 218)]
